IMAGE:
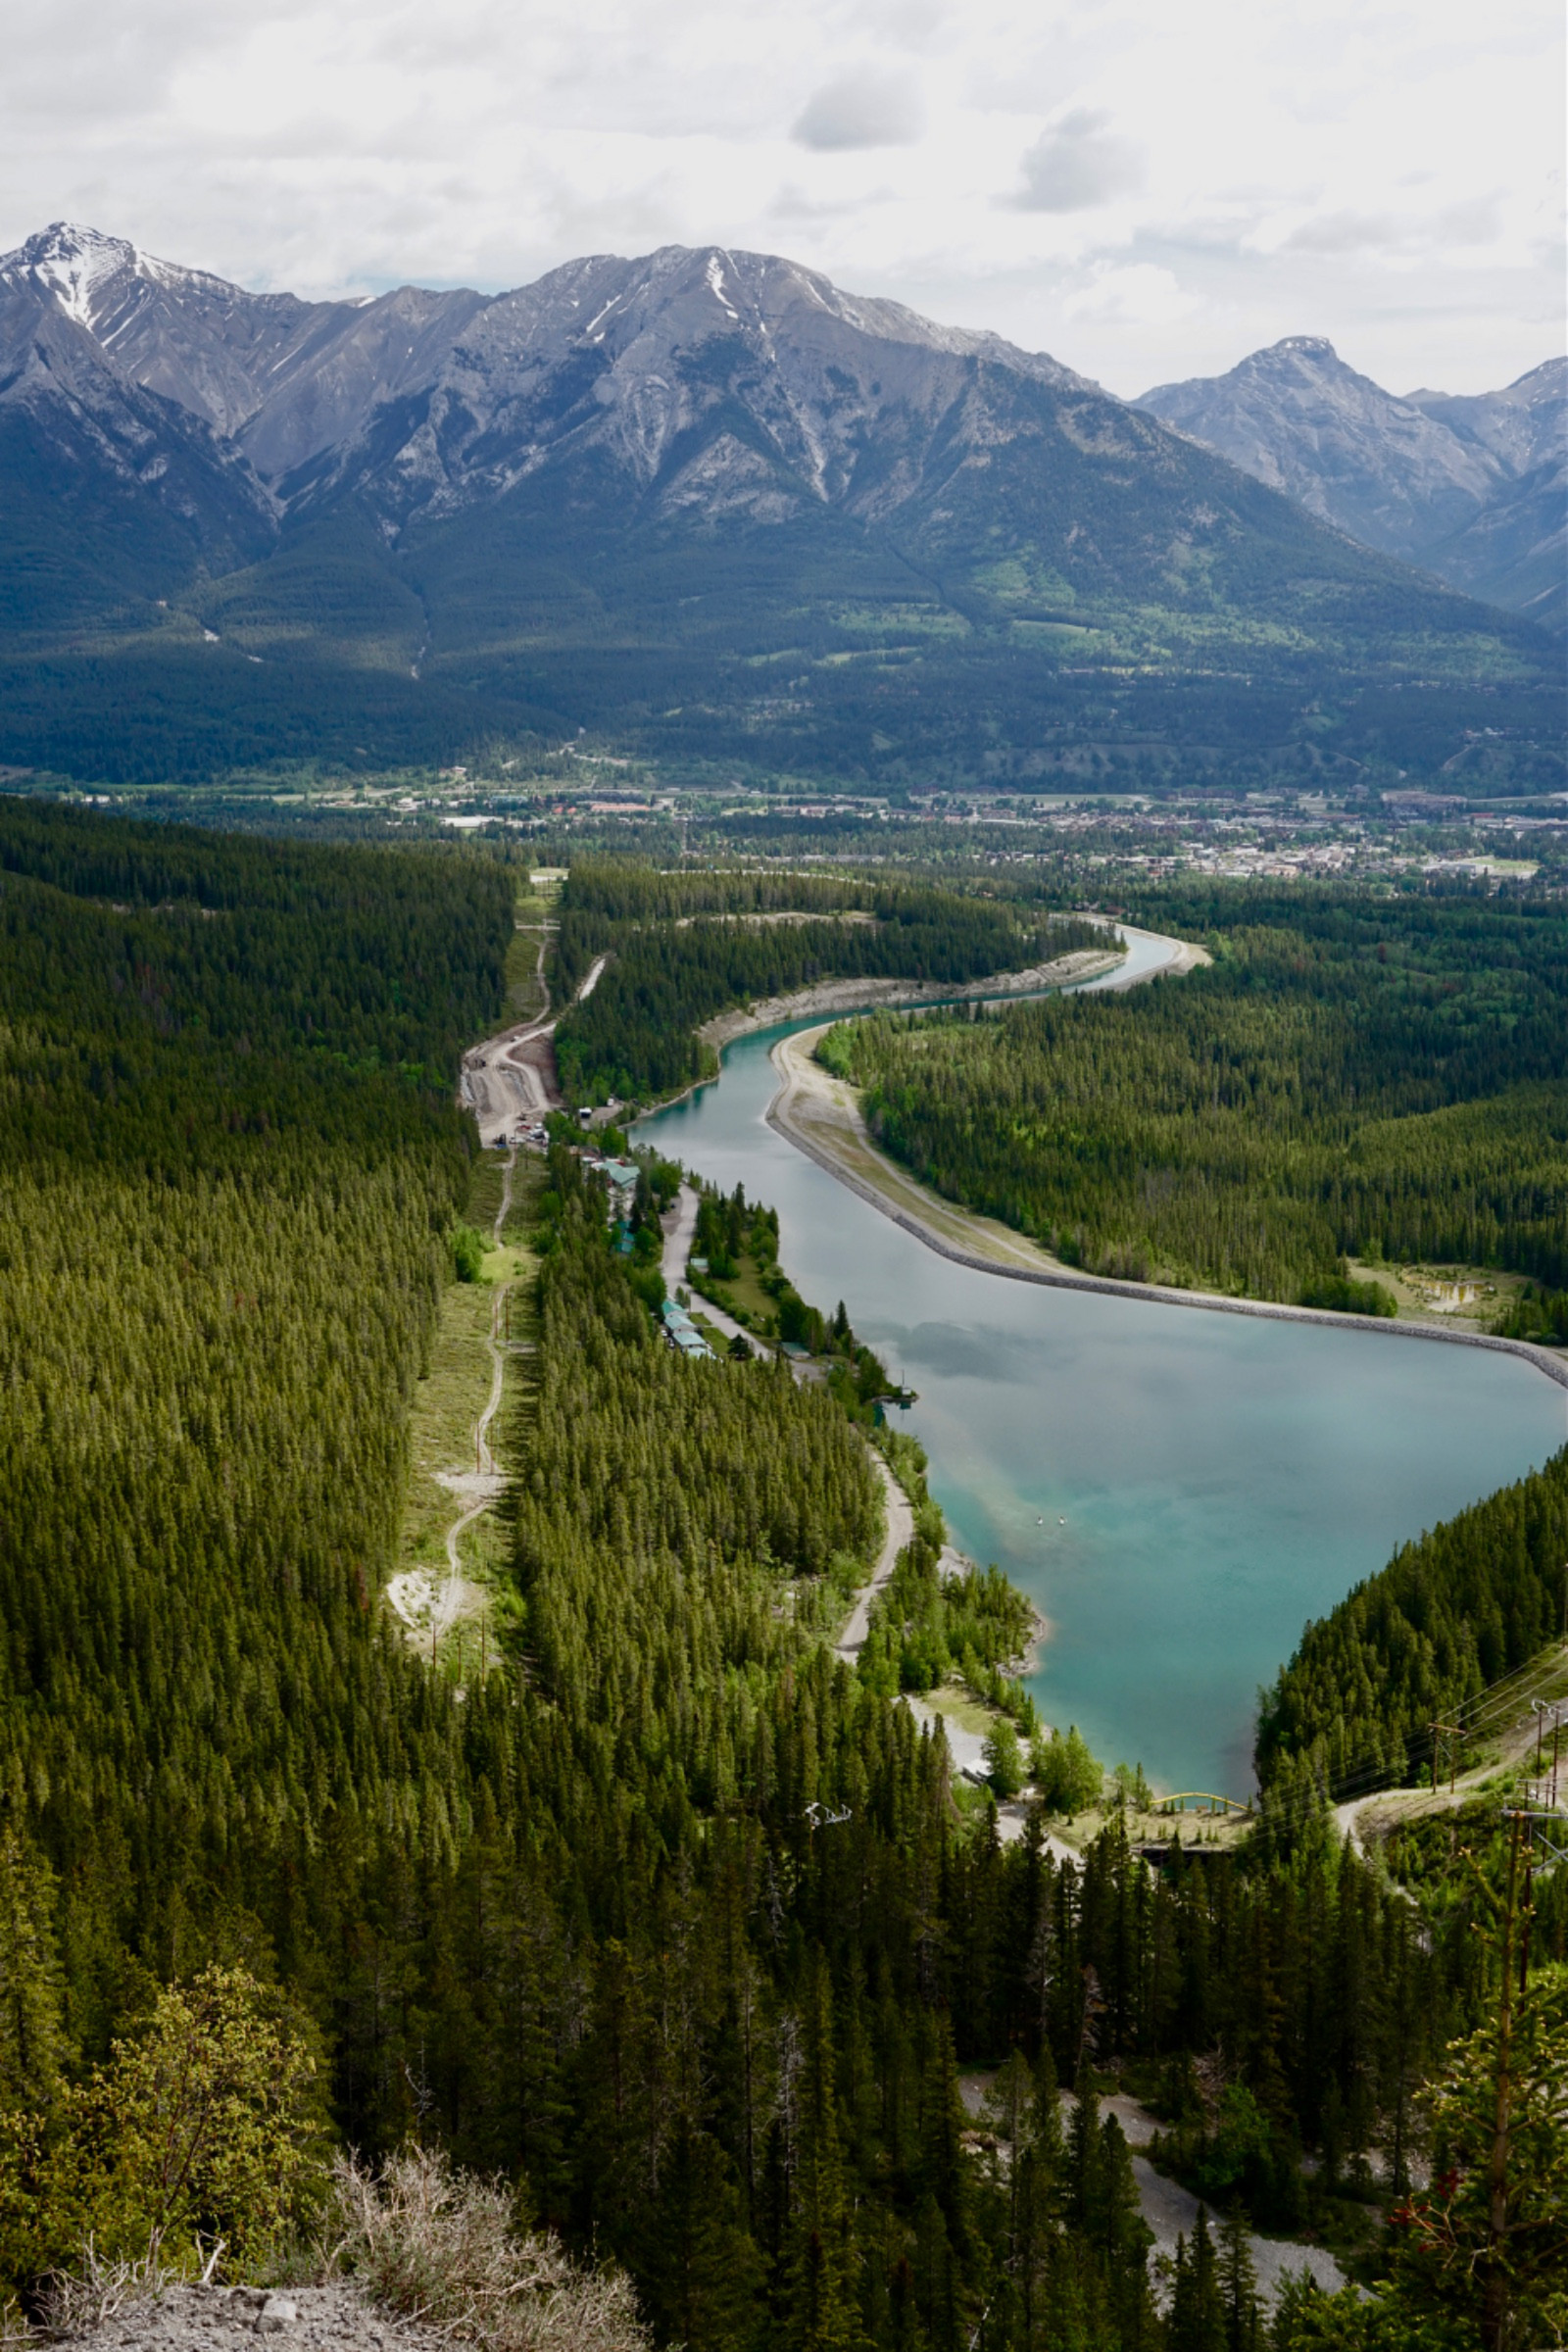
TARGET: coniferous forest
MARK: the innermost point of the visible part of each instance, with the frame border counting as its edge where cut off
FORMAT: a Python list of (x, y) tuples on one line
[(1451, 1614), (671, 1918), (684, 947), (1353, 1076)]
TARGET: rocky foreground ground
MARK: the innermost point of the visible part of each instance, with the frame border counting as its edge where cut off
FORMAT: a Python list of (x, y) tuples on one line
[(224, 2318)]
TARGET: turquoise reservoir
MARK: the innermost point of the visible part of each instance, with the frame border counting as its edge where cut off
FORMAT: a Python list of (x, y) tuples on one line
[(1177, 1491)]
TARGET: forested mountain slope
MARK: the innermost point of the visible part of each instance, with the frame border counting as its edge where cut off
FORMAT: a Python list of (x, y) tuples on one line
[(231, 1157), (1353, 1076), (669, 1917), (703, 502), (1455, 1611)]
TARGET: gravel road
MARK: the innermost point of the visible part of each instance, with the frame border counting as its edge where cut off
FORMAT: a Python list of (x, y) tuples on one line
[(900, 1530)]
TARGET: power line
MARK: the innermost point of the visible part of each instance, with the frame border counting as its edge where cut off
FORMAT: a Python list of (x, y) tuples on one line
[(1367, 1771)]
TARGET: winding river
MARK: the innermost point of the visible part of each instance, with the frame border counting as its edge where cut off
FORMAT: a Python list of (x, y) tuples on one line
[(1176, 1491)]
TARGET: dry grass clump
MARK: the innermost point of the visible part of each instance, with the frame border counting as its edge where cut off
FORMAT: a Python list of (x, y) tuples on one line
[(97, 2287), (440, 2248)]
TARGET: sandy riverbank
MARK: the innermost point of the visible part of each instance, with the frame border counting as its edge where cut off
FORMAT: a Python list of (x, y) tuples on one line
[(821, 1114), (864, 995)]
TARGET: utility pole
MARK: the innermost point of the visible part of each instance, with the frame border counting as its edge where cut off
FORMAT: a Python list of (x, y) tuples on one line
[(1446, 1731), (1494, 2308), (1543, 1791)]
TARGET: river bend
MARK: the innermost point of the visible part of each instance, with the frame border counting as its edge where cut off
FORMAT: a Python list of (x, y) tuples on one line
[(1176, 1491)]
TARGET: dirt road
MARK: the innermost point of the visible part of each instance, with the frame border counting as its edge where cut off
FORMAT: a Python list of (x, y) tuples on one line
[(682, 1225), (1169, 2209), (510, 1081), (1509, 1725), (899, 1532)]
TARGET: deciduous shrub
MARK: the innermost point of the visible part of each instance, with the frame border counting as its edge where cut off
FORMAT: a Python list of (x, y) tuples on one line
[(446, 2247), (1067, 1776), (197, 2129)]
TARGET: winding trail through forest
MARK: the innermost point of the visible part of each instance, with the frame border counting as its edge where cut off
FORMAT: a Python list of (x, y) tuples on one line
[(900, 1530), (433, 1612)]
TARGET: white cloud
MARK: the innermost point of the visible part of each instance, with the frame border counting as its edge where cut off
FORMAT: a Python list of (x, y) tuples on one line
[(1343, 232), (1077, 163), (865, 109), (1450, 228), (1359, 169), (1138, 294)]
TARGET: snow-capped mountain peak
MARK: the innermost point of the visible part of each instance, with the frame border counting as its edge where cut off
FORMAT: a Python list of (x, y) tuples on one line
[(73, 262), (93, 278), (721, 384)]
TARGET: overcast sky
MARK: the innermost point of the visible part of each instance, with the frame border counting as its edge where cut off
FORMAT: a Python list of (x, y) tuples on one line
[(1147, 191)]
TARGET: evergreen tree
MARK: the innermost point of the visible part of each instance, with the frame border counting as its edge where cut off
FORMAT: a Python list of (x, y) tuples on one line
[(1198, 2316), (821, 2306), (33, 2042), (701, 2271), (1237, 2282)]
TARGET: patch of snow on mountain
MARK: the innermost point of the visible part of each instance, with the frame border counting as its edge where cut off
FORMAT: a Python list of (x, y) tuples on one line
[(715, 279), (73, 262)]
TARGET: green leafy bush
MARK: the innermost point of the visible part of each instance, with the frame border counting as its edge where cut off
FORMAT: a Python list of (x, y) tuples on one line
[(1003, 1758), (467, 1253), (198, 2133), (1068, 1777), (1347, 1297)]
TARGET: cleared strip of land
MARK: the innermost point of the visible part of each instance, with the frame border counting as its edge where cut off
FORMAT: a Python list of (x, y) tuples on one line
[(455, 1413)]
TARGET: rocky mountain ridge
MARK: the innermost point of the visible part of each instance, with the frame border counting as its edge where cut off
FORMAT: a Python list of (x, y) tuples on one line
[(704, 501), (735, 385), (286, 380), (1470, 488)]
